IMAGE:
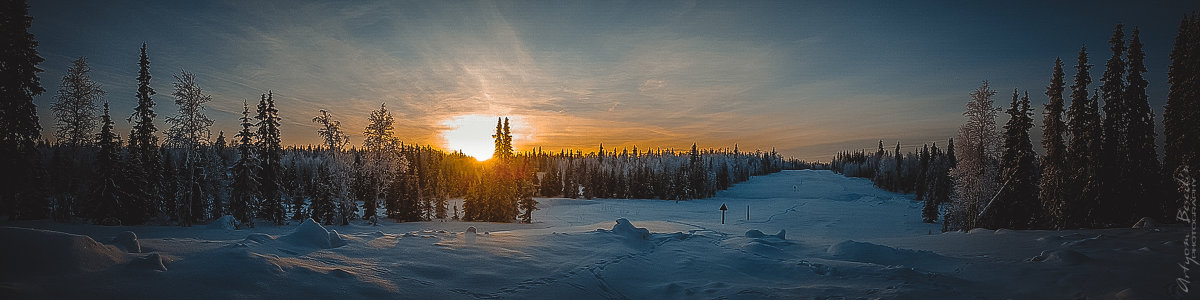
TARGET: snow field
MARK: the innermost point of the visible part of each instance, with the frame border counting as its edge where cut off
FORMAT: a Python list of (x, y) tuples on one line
[(838, 238)]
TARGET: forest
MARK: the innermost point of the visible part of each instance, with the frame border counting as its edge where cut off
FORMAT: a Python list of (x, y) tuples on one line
[(1100, 167), (90, 173)]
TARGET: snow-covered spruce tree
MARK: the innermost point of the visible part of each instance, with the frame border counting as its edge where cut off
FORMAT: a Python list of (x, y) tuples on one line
[(244, 192), (75, 105), (190, 133), (323, 203), (1083, 148), (976, 175), (1016, 206), (1113, 200), (270, 157), (106, 193), (1054, 168), (379, 154), (1181, 117), (144, 165), (335, 140), (1143, 165)]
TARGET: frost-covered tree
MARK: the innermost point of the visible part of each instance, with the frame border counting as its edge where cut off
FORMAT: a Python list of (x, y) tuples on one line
[(379, 146), (1054, 168), (270, 157), (1083, 148), (190, 126), (189, 132), (244, 192), (75, 105), (976, 174), (331, 131)]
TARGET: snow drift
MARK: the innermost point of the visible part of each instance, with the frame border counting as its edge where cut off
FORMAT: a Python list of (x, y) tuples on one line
[(311, 234), (626, 229), (43, 252)]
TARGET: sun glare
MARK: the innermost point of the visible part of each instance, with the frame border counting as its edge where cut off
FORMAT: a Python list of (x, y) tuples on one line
[(471, 134)]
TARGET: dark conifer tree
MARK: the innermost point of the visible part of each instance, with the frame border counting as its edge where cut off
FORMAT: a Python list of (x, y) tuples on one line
[(1142, 166), (270, 156), (144, 165), (244, 192), (106, 192), (1054, 169), (1181, 117), (1113, 199), (1083, 149), (19, 129), (1016, 207)]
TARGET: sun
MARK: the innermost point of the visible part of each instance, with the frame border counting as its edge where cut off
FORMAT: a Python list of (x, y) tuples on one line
[(471, 134)]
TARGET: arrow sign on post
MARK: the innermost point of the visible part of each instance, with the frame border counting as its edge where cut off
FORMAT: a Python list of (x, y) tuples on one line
[(723, 209)]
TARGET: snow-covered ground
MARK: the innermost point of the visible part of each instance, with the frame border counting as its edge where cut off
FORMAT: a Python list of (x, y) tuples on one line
[(809, 234)]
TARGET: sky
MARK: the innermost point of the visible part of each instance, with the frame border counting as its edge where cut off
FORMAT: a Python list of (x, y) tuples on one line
[(805, 78)]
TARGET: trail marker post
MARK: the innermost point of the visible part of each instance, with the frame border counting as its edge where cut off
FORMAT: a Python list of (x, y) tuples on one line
[(723, 209)]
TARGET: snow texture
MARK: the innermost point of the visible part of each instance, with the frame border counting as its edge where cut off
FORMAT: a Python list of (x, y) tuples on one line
[(226, 222), (128, 241), (845, 239), (311, 234)]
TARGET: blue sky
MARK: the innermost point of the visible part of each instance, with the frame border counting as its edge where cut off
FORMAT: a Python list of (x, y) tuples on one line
[(808, 78)]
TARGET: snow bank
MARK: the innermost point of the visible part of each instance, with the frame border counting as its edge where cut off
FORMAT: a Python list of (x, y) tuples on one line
[(624, 228), (311, 234), (878, 254), (41, 252), (128, 241), (226, 222)]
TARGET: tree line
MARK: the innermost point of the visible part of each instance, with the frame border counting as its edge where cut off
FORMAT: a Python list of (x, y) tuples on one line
[(90, 173), (1100, 167)]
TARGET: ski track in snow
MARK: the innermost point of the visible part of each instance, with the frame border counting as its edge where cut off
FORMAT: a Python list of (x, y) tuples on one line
[(845, 240)]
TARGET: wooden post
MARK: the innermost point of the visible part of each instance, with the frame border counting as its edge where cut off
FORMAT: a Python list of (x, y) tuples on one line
[(723, 209)]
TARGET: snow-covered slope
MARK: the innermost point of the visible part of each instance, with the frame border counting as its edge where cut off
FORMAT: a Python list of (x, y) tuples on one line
[(836, 238)]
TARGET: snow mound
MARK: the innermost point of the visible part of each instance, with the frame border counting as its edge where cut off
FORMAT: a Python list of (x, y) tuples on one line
[(127, 241), (154, 261), (226, 222), (878, 254), (312, 234), (756, 234), (624, 228), (1062, 257), (37, 252), (1146, 223)]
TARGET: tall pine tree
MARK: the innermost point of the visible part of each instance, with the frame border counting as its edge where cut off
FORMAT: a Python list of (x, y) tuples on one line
[(244, 190), (144, 166), (1113, 202), (1016, 206), (270, 157), (106, 193), (1054, 168), (1142, 167), (19, 128), (1181, 117), (1083, 149)]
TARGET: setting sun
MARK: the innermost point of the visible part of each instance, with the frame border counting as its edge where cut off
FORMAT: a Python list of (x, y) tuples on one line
[(471, 134)]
